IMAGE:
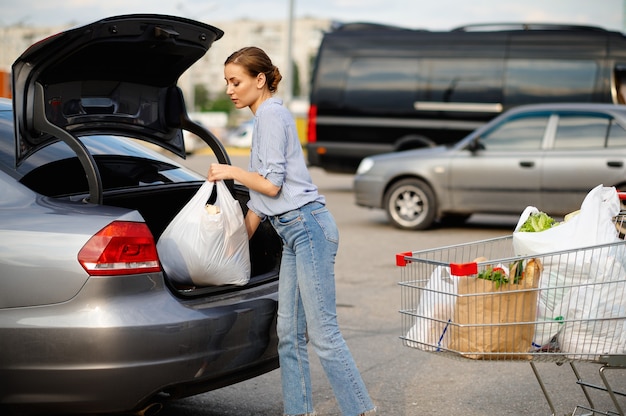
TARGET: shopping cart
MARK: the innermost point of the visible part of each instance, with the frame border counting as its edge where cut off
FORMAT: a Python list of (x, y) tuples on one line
[(480, 301)]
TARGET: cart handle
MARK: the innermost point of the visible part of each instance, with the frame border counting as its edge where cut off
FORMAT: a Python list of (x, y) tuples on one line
[(463, 269), (401, 258), (456, 269)]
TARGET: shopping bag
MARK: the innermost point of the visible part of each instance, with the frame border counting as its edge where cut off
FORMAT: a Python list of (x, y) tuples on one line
[(595, 312), (435, 312), (203, 246), (593, 225), (494, 320)]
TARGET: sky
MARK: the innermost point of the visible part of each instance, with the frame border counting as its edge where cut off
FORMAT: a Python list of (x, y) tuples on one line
[(423, 14)]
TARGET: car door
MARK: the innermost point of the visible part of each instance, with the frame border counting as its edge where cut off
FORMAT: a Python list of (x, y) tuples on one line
[(503, 172), (587, 149)]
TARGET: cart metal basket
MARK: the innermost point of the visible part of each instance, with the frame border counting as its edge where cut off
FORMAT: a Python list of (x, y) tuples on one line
[(480, 301)]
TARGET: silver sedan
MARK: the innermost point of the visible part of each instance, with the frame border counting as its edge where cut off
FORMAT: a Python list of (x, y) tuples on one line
[(89, 320), (548, 156)]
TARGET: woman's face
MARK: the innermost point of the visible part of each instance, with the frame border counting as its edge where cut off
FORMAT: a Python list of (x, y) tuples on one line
[(243, 89)]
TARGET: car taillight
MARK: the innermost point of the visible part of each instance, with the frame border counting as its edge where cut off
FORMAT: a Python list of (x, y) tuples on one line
[(121, 247), (312, 127)]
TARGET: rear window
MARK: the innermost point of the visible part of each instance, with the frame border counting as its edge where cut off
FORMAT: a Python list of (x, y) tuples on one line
[(581, 132), (617, 135), (56, 171)]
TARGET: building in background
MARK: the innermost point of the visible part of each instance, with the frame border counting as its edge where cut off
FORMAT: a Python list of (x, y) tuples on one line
[(208, 71)]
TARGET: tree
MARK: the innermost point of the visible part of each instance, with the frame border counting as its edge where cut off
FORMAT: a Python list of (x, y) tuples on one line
[(295, 89), (201, 97), (204, 102), (222, 103)]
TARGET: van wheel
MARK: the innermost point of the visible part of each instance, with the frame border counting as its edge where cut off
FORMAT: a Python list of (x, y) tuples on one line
[(410, 205)]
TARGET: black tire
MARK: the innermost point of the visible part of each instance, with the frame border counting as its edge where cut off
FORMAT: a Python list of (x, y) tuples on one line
[(454, 220), (410, 205)]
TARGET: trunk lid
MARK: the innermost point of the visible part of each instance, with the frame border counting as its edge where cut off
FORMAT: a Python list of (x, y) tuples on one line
[(115, 76)]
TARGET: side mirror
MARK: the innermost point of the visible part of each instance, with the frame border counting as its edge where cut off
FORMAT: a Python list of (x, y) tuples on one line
[(475, 145)]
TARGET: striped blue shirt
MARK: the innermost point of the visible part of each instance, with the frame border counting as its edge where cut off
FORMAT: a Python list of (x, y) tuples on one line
[(276, 154)]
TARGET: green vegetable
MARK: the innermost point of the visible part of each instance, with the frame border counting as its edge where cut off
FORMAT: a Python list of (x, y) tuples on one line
[(538, 221), (498, 274)]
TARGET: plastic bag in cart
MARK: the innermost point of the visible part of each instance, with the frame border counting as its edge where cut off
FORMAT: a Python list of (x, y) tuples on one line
[(594, 225), (435, 311), (202, 248), (596, 311)]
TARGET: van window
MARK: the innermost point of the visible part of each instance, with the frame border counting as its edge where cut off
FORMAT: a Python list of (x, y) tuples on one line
[(460, 80), (377, 84), (543, 80), (620, 83)]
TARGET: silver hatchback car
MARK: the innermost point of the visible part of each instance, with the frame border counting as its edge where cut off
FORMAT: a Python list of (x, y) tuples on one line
[(89, 322), (548, 156)]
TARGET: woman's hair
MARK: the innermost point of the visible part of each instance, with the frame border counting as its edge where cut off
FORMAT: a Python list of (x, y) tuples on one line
[(255, 61)]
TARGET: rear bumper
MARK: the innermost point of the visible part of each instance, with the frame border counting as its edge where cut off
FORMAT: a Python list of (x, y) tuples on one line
[(122, 340)]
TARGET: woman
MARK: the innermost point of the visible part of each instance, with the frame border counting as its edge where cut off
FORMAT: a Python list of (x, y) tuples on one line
[(282, 192)]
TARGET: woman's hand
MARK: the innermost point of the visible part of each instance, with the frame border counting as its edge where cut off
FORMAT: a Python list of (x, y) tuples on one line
[(220, 171), (252, 180)]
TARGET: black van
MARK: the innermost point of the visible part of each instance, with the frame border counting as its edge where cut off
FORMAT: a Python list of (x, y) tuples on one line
[(378, 88)]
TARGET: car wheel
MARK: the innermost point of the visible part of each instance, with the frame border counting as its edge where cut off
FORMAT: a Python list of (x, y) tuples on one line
[(410, 204)]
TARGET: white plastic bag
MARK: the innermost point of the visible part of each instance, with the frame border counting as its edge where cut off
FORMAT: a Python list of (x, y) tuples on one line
[(203, 249), (596, 311), (592, 226), (434, 312)]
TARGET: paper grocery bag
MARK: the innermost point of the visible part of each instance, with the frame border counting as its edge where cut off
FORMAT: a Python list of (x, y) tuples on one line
[(494, 322)]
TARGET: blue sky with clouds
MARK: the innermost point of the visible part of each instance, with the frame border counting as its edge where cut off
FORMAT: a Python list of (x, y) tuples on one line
[(434, 15)]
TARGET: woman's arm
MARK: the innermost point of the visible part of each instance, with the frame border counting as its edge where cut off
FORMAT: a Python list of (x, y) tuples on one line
[(252, 223), (252, 180)]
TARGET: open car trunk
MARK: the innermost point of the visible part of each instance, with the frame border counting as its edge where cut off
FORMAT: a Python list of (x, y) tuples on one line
[(118, 77), (160, 206)]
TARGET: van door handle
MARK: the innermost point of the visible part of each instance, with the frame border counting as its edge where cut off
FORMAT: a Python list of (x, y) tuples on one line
[(528, 164), (615, 164)]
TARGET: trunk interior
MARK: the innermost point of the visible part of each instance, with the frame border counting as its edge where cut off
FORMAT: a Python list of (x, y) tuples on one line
[(159, 206), (63, 177)]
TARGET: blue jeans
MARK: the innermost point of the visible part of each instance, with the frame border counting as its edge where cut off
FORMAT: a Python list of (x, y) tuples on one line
[(306, 302)]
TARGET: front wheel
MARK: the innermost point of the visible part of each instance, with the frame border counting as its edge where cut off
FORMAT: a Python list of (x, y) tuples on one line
[(410, 205)]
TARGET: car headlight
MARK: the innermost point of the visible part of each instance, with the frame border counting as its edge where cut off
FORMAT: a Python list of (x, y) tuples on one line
[(365, 165)]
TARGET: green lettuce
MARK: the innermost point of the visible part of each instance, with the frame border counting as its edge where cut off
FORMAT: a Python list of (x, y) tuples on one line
[(538, 221)]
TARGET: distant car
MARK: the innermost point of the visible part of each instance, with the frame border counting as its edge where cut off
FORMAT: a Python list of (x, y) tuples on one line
[(89, 321), (242, 135), (548, 156)]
